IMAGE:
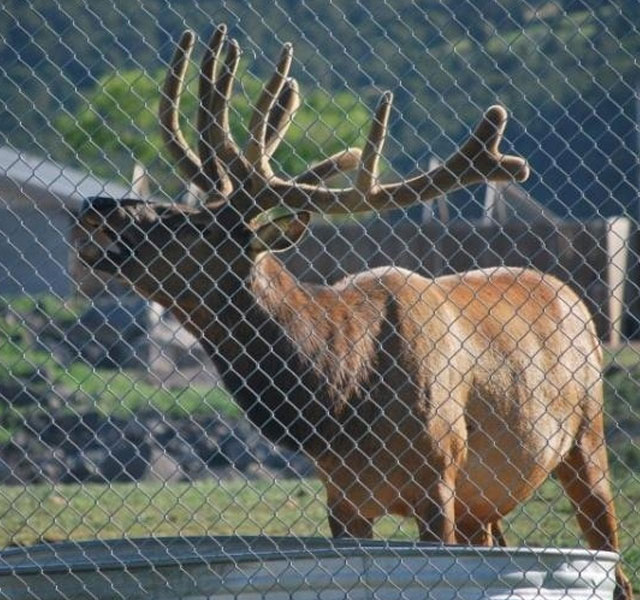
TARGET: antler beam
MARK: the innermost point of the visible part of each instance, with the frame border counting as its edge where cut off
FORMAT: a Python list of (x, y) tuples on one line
[(476, 161)]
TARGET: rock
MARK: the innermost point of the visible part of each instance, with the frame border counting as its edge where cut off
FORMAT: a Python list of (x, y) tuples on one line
[(169, 347), (158, 428), (128, 451), (165, 468), (17, 395), (53, 468), (69, 432), (185, 455), (108, 332), (57, 446), (6, 473), (126, 461), (237, 453)]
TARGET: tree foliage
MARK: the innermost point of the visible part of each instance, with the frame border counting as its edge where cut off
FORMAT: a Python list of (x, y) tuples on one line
[(118, 123), (566, 69)]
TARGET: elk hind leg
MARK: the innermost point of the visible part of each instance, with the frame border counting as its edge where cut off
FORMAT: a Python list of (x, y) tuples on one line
[(472, 531), (584, 476), (351, 525)]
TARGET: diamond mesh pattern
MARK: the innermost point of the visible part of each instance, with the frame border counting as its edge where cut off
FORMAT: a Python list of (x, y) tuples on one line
[(273, 330)]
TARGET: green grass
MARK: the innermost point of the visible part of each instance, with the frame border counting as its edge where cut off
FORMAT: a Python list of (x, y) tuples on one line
[(283, 507), (623, 357), (123, 394), (29, 515), (622, 407)]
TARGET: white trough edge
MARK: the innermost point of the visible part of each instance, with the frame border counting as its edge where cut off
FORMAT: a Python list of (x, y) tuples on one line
[(300, 568)]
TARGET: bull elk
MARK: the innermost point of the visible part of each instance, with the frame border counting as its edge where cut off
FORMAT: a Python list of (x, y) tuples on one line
[(449, 400)]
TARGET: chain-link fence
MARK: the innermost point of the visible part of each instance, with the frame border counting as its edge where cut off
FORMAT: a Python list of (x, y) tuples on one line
[(234, 328)]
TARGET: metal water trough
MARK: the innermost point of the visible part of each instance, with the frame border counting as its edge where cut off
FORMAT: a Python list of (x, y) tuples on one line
[(299, 568)]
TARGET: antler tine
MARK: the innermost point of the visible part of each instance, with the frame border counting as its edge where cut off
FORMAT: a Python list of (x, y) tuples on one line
[(341, 162), (281, 116), (219, 132), (477, 160), (210, 164), (368, 173), (168, 113), (256, 148), (482, 150)]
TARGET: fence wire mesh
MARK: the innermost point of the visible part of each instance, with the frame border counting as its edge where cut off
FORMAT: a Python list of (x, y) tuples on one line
[(234, 329)]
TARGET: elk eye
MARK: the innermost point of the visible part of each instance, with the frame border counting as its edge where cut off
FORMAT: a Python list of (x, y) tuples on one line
[(240, 234)]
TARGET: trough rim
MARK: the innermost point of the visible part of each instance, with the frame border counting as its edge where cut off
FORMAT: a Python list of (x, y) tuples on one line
[(134, 553)]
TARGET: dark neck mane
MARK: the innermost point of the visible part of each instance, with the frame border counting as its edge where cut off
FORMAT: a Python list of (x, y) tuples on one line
[(282, 350)]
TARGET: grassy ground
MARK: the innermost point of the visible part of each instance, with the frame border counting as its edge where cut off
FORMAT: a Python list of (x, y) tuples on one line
[(45, 513), (29, 327), (291, 507)]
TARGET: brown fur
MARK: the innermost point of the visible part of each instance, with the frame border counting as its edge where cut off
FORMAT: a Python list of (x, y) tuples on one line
[(448, 400), (501, 366)]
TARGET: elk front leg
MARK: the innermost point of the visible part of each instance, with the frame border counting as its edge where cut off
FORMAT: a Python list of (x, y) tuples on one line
[(475, 532), (345, 520), (584, 476), (435, 512)]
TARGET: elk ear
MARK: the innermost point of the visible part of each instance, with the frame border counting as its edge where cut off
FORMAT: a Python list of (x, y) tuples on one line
[(278, 229)]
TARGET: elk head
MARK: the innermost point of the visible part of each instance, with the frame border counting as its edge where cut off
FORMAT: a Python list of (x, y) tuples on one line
[(169, 251)]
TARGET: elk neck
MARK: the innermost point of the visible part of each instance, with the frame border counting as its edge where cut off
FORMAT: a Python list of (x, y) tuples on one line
[(261, 335)]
